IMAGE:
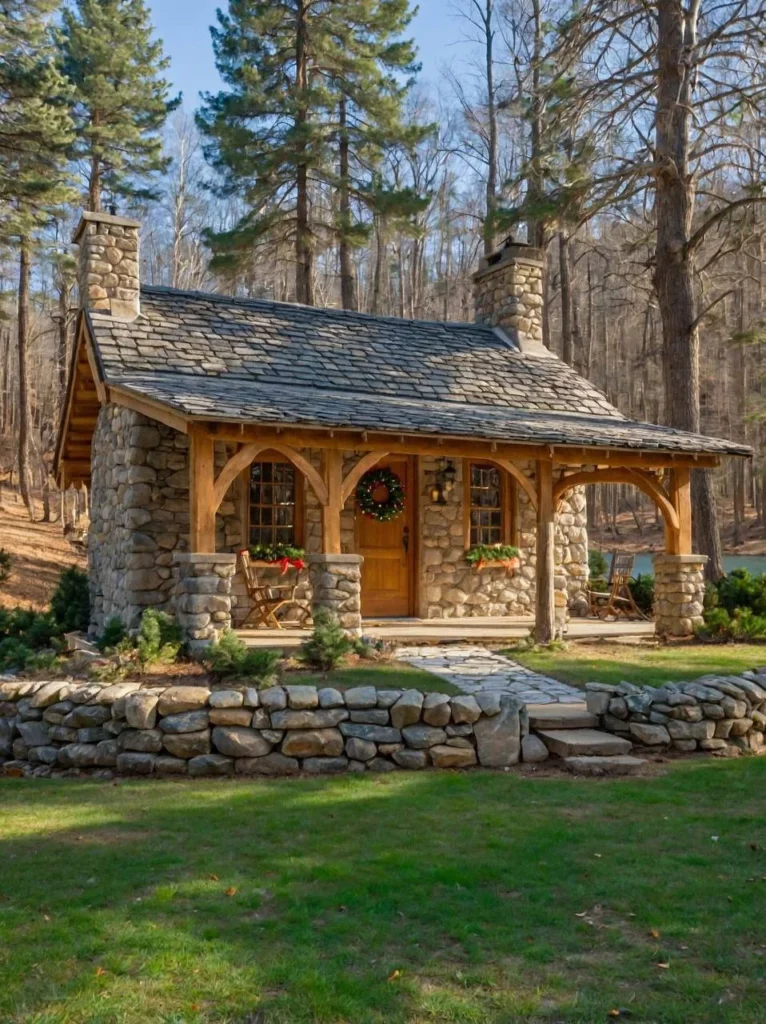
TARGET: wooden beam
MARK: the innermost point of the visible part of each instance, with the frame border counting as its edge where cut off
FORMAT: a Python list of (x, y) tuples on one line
[(249, 452), (679, 486), (642, 480), (412, 444), (333, 479), (356, 473), (520, 478), (545, 611), (201, 486), (148, 407)]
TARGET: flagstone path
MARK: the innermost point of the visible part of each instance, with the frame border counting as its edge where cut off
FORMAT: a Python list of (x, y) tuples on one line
[(471, 668)]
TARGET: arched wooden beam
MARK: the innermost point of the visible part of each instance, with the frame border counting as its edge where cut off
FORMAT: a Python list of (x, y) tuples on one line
[(520, 477), (241, 459), (643, 481), (356, 473)]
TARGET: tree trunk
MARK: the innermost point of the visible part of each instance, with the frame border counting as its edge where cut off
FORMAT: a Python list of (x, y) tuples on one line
[(348, 297), (94, 178), (304, 252), (491, 194), (567, 346), (535, 224), (380, 255), (23, 337), (674, 267)]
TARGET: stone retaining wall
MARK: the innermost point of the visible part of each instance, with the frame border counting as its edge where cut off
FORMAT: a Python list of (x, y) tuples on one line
[(52, 727), (722, 714)]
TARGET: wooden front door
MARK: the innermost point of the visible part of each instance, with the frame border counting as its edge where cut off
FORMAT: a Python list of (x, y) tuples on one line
[(389, 551)]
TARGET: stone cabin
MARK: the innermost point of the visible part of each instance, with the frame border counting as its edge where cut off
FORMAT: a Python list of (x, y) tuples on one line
[(203, 424)]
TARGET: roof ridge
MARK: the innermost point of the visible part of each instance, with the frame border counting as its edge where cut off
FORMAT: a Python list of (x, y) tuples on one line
[(323, 310)]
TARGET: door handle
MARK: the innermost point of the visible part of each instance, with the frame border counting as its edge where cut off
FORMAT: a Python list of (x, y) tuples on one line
[(406, 539)]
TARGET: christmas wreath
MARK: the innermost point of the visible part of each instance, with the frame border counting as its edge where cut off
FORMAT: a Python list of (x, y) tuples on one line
[(391, 506)]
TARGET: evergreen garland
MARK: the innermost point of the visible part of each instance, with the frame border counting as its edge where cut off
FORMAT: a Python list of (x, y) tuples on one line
[(383, 511)]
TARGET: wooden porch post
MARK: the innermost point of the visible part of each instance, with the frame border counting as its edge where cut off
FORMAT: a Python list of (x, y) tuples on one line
[(201, 493), (545, 625), (679, 489), (333, 478)]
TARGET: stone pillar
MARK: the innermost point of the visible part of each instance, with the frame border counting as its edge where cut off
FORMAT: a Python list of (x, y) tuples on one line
[(336, 586), (508, 293), (107, 264), (679, 590), (203, 596)]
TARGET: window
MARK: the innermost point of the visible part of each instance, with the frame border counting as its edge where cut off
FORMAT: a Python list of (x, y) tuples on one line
[(488, 505), (275, 494)]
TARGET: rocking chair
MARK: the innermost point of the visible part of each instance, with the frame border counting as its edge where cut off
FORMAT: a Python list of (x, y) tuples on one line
[(267, 598), (617, 597)]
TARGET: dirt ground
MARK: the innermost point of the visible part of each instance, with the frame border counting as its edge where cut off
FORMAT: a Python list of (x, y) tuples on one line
[(652, 534), (39, 553)]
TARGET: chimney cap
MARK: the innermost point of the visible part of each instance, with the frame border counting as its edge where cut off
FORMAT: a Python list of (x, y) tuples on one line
[(102, 218)]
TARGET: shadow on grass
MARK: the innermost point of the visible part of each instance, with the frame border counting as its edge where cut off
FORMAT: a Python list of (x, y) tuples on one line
[(301, 899)]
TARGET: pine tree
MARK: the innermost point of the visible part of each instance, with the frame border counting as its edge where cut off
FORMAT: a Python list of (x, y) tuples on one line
[(313, 96), (35, 132), (121, 100)]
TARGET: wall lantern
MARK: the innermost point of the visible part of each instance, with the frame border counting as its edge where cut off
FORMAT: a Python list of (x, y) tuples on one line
[(444, 481)]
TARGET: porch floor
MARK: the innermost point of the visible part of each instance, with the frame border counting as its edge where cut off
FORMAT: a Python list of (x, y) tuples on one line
[(469, 630)]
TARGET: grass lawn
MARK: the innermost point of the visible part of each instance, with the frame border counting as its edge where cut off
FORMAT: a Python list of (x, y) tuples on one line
[(613, 663), (394, 676), (400, 899)]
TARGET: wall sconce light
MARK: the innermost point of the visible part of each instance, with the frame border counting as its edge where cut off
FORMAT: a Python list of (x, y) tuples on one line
[(444, 481)]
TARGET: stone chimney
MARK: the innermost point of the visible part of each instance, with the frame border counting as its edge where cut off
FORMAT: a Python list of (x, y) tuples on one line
[(107, 264), (508, 293)]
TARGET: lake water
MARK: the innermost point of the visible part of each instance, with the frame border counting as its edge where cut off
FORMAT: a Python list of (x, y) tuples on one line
[(755, 563)]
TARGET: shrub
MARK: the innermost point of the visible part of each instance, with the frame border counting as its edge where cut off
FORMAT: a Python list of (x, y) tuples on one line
[(35, 629), (14, 654), (70, 603), (5, 565), (230, 658), (114, 634), (740, 589), (597, 564), (642, 589), (328, 644), (735, 607), (159, 639)]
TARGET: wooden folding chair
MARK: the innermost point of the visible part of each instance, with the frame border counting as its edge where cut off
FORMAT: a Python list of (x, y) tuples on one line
[(617, 597), (267, 598)]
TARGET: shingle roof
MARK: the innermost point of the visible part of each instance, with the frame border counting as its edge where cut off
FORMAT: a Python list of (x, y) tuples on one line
[(214, 357)]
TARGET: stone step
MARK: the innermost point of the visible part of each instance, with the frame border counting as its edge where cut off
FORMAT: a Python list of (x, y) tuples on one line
[(583, 742), (619, 765), (561, 716)]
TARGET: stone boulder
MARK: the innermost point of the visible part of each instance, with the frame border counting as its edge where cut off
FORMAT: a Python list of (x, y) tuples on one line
[(498, 739), (313, 743), (187, 744), (141, 710), (234, 741), (177, 699)]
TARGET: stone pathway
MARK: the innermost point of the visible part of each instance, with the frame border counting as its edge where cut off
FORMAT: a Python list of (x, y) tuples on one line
[(473, 668)]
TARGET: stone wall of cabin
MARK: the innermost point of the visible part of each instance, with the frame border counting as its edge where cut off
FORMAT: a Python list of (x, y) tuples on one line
[(139, 515), (140, 519)]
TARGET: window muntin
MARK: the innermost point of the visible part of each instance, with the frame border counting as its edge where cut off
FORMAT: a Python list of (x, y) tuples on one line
[(273, 493)]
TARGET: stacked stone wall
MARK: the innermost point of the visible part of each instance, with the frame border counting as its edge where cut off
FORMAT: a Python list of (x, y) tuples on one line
[(725, 715), (140, 515), (52, 727)]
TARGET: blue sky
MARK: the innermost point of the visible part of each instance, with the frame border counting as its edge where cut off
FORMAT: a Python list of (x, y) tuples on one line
[(183, 25)]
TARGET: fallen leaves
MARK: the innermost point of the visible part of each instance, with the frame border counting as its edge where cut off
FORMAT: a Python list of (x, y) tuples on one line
[(231, 892), (394, 975)]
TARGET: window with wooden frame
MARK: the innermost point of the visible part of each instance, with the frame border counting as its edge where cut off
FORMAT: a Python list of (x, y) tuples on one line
[(275, 503), (489, 505)]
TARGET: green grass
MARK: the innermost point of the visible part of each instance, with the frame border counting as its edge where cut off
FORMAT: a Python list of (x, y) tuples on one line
[(385, 676), (643, 665), (435, 898)]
